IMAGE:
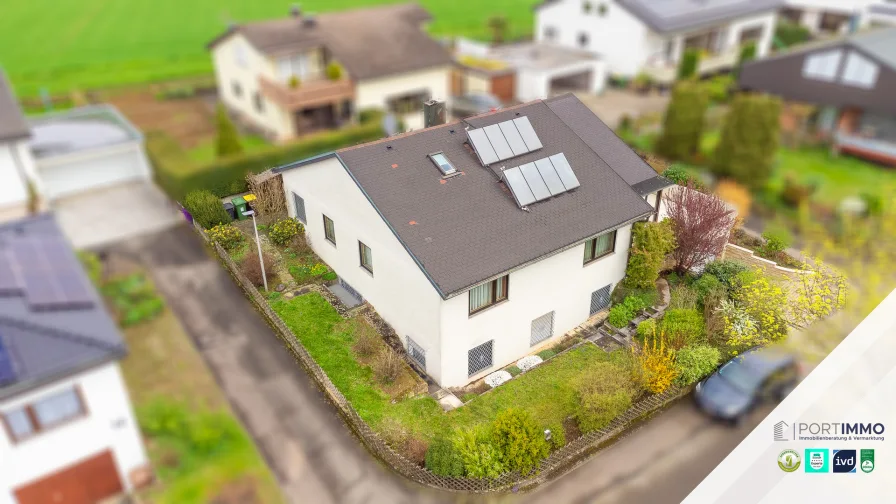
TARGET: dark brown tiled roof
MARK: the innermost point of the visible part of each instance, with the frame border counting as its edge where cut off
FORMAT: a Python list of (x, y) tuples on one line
[(12, 121), (467, 229), (370, 43)]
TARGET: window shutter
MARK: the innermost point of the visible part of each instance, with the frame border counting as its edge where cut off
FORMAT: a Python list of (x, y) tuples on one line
[(300, 208), (600, 299), (480, 358), (542, 328)]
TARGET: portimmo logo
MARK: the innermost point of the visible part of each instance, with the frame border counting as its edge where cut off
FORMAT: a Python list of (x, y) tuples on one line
[(829, 431)]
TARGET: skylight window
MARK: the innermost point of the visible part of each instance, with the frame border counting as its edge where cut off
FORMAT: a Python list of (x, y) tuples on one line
[(443, 164)]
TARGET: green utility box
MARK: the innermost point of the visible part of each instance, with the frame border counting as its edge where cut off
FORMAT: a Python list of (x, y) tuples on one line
[(240, 205)]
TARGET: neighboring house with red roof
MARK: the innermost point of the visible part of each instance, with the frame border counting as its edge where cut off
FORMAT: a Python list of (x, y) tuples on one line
[(274, 73), (480, 241), (67, 430)]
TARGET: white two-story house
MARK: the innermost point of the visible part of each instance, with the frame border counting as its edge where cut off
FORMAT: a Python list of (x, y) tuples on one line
[(479, 241), (274, 74), (650, 36), (67, 430)]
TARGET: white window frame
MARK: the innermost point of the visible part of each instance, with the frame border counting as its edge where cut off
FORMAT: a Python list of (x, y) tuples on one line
[(823, 66), (859, 71)]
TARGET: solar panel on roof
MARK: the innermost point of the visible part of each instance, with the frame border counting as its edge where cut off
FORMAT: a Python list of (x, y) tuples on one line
[(48, 275), (550, 177), (567, 176), (533, 178), (528, 133), (7, 373), (518, 186), (504, 140), (482, 146), (499, 143), (517, 145)]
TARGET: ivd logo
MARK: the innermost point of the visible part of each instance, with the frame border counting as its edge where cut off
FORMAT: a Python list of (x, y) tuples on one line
[(844, 461)]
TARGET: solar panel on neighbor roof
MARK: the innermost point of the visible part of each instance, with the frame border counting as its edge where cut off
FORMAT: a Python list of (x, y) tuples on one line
[(517, 145), (518, 186), (7, 373), (8, 281), (567, 176), (533, 178), (482, 146), (499, 143), (528, 133), (550, 177), (46, 270)]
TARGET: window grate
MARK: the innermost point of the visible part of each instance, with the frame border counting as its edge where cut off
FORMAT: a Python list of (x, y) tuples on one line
[(600, 299), (416, 353), (300, 208), (542, 328), (480, 358)]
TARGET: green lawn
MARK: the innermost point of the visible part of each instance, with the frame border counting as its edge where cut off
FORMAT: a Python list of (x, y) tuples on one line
[(837, 177), (100, 43), (205, 152), (545, 392)]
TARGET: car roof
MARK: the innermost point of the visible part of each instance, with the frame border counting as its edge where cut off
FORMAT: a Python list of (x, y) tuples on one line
[(764, 360)]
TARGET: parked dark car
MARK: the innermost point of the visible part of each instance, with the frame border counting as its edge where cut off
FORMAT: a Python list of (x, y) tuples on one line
[(753, 377), (474, 104)]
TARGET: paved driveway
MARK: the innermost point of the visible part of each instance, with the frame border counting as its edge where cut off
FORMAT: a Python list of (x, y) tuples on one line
[(104, 216), (612, 104), (312, 453)]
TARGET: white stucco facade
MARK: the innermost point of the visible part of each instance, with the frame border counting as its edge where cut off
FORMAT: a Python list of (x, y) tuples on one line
[(538, 84), (108, 425), (628, 45), (376, 93), (15, 163), (402, 294), (238, 67), (812, 11), (617, 37)]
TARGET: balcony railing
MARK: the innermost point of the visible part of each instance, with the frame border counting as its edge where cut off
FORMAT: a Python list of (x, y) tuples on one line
[(875, 149), (664, 71), (307, 94)]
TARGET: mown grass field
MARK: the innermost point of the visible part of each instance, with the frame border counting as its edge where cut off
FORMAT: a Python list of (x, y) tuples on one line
[(101, 43)]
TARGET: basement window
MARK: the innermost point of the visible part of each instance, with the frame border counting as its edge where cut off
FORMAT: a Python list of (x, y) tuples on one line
[(443, 164)]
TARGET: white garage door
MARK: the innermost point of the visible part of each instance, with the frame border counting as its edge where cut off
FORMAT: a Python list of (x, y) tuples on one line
[(70, 175)]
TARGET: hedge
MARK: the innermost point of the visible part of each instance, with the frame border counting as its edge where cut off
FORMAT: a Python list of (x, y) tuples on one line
[(177, 175)]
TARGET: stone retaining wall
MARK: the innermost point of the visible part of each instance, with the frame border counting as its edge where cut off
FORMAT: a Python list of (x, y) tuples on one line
[(748, 257)]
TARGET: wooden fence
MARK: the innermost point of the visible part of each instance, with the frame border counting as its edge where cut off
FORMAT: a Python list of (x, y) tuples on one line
[(558, 463)]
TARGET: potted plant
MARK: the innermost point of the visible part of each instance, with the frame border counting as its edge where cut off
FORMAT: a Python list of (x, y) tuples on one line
[(642, 83)]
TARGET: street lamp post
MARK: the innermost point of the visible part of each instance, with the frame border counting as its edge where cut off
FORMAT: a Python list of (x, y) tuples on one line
[(264, 277)]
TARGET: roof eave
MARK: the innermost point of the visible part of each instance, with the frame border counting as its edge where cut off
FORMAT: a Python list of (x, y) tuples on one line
[(25, 386)]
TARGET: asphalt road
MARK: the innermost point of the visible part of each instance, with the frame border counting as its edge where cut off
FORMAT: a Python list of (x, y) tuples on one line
[(315, 458)]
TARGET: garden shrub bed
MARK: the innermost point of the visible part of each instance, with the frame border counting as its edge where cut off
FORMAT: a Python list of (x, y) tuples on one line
[(332, 342), (759, 247)]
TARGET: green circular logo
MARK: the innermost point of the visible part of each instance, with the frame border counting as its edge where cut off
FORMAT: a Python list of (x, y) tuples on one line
[(789, 460)]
